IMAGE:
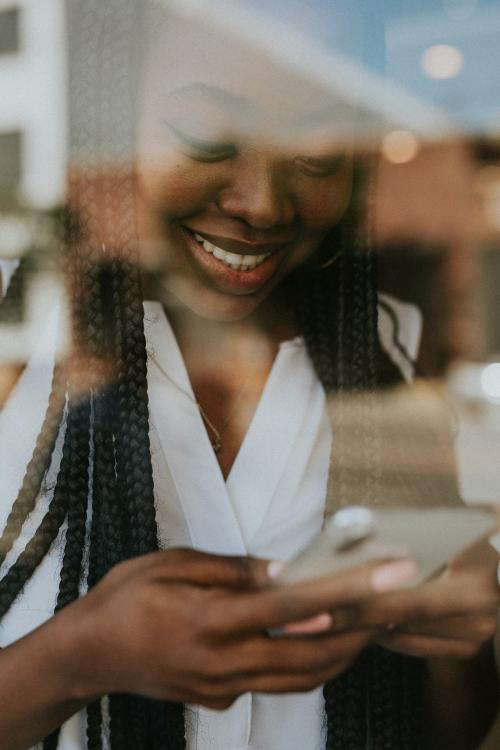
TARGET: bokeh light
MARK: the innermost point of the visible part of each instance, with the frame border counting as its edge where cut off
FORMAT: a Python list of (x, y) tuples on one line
[(400, 146), (490, 381), (442, 61)]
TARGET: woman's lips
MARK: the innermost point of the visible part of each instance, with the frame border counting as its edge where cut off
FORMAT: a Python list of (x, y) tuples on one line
[(257, 264)]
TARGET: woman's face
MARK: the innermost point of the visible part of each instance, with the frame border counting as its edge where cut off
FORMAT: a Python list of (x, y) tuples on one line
[(239, 175)]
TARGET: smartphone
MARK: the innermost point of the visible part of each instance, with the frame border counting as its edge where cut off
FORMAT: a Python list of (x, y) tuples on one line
[(356, 535)]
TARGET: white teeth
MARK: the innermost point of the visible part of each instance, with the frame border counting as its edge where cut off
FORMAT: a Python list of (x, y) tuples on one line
[(220, 254), (233, 260)]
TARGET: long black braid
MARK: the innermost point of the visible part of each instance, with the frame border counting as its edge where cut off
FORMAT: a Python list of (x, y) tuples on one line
[(336, 306)]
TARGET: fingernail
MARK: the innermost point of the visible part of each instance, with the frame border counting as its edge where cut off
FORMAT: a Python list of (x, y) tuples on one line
[(312, 625), (389, 576), (275, 567)]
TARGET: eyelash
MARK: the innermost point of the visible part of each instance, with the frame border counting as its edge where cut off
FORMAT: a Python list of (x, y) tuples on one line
[(205, 151), (211, 152), (319, 167)]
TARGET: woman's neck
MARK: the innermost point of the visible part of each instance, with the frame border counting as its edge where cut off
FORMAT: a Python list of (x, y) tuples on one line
[(229, 363)]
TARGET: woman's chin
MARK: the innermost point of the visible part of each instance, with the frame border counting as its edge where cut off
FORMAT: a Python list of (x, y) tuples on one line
[(211, 304)]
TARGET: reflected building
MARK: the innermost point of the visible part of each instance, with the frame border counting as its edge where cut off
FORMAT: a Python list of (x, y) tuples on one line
[(32, 92), (32, 116), (33, 146), (440, 208)]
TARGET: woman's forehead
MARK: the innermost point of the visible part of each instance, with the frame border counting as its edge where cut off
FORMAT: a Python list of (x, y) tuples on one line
[(188, 64)]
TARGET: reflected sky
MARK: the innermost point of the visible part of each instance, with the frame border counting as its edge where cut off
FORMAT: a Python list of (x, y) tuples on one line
[(397, 33)]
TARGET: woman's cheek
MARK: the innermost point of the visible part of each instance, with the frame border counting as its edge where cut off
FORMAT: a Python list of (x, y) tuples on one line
[(176, 189), (323, 205)]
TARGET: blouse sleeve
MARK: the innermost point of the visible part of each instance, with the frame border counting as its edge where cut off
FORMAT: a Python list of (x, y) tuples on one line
[(400, 330)]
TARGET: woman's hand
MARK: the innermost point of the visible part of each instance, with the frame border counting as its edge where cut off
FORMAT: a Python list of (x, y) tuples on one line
[(453, 616), (181, 625), (184, 626), (450, 621)]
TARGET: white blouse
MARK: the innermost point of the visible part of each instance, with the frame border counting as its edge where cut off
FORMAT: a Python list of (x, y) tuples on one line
[(271, 505)]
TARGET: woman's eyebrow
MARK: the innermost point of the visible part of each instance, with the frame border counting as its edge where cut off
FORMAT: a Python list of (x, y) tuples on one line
[(223, 98)]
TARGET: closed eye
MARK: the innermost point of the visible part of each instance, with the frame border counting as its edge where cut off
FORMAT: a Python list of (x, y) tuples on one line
[(201, 150), (320, 167)]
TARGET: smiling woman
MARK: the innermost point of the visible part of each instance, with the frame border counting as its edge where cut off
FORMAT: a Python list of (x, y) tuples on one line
[(221, 290)]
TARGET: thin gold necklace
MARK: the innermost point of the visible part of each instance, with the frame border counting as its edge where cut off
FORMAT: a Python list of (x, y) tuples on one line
[(214, 435)]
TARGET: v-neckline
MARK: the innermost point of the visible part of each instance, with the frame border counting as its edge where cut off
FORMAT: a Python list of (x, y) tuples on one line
[(174, 365), (240, 501)]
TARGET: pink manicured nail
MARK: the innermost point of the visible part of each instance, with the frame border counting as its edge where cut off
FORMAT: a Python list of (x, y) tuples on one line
[(312, 625), (391, 575), (275, 567)]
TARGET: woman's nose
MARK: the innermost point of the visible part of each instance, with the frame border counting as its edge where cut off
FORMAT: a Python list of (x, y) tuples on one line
[(257, 193)]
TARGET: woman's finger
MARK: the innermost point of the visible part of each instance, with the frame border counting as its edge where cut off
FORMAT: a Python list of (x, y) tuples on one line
[(300, 601), (213, 570), (291, 682), (440, 599), (317, 624), (476, 628), (191, 566), (290, 654), (481, 555)]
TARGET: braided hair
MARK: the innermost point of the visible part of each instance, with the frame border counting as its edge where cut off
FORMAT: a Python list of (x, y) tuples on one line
[(336, 304), (102, 505)]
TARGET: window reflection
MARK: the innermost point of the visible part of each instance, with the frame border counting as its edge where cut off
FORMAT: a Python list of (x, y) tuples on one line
[(195, 205)]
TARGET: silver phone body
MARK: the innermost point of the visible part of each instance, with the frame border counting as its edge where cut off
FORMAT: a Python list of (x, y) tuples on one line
[(356, 535)]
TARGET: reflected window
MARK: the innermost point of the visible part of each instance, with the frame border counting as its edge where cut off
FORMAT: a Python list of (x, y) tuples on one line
[(10, 162), (9, 31)]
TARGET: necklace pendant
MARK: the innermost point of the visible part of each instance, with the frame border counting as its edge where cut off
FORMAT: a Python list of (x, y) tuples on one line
[(216, 443)]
